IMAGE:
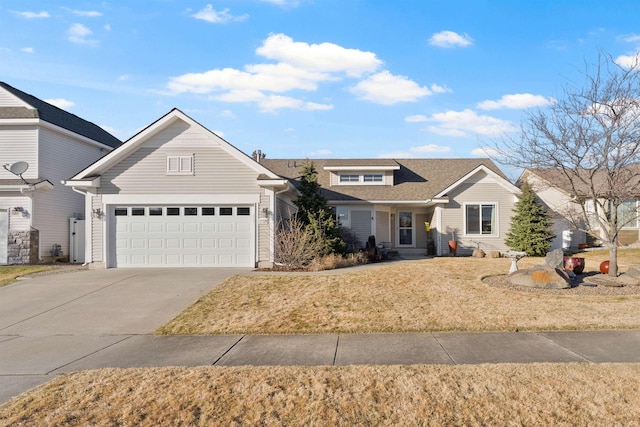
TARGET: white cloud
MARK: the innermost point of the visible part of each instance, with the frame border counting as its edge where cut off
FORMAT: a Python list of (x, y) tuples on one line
[(450, 39), (516, 101), (387, 89), (124, 77), (628, 61), (209, 14), (33, 15), (416, 119), (430, 148), (65, 104), (419, 151), (466, 123), (631, 38), (268, 103), (27, 50), (107, 27), (323, 57), (485, 152), (440, 89), (219, 133), (228, 114), (80, 34), (87, 13)]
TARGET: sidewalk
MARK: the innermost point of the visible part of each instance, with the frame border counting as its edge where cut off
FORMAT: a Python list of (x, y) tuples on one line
[(21, 370)]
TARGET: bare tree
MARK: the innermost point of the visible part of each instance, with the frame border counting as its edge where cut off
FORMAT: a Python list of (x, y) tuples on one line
[(588, 142)]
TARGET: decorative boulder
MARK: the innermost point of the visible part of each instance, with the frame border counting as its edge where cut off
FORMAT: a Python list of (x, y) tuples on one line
[(555, 259), (494, 254), (634, 271), (478, 253), (542, 276)]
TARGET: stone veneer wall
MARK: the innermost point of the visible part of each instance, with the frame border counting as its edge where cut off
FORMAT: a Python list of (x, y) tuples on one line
[(23, 246)]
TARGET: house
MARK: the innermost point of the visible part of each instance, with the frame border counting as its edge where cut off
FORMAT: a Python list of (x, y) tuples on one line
[(466, 200), (562, 198), (40, 145), (176, 194)]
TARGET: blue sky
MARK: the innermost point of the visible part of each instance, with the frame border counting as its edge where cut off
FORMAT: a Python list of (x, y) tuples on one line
[(313, 78)]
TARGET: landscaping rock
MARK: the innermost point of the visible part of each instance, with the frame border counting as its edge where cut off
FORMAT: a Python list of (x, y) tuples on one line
[(628, 280), (478, 253), (602, 281), (555, 259), (543, 276), (634, 271), (494, 254)]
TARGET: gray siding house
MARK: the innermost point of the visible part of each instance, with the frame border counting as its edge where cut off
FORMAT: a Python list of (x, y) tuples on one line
[(35, 208)]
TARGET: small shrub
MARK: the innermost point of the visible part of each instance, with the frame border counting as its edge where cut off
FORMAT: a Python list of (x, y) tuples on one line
[(333, 261)]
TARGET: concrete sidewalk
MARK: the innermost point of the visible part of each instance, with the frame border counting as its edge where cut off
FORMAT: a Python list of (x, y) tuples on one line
[(23, 366)]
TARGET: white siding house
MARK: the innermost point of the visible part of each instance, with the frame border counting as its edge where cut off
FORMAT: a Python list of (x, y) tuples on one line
[(54, 144)]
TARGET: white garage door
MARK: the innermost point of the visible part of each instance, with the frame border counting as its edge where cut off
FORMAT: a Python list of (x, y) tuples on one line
[(183, 236)]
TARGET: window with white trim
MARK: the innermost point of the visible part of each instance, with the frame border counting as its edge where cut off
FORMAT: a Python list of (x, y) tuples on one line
[(346, 178), (481, 219), (372, 177), (180, 165), (351, 178)]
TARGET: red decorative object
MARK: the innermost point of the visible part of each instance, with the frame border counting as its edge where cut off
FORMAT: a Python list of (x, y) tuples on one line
[(575, 264), (604, 267), (453, 247)]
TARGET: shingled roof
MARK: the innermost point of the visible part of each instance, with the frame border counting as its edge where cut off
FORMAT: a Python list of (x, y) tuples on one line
[(578, 183), (56, 116), (416, 179)]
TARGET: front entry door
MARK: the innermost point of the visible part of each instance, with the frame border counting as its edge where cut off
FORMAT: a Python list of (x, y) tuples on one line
[(405, 228)]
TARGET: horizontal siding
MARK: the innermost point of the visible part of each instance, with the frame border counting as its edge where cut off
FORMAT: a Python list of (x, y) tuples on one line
[(62, 156), (18, 220), (19, 144), (453, 215), (144, 172), (97, 231), (7, 99), (382, 227), (264, 230)]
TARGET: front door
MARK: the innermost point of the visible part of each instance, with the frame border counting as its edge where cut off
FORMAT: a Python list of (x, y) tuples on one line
[(405, 229)]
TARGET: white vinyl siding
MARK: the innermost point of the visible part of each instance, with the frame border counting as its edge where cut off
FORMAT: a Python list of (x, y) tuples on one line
[(19, 144), (361, 225), (453, 217), (62, 156), (382, 227), (7, 99), (19, 220), (216, 171)]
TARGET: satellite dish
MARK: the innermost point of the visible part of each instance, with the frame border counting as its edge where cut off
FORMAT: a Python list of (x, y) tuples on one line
[(18, 168)]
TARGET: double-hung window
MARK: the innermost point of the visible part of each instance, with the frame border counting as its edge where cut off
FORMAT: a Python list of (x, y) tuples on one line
[(179, 165), (346, 178), (481, 219)]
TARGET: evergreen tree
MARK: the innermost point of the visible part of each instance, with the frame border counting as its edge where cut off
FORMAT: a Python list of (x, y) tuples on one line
[(315, 214), (531, 227)]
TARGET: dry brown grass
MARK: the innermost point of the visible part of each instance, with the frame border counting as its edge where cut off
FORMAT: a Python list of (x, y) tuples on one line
[(440, 294), (9, 273), (534, 394)]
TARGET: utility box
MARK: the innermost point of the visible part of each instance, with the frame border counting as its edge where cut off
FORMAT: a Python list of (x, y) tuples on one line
[(76, 241)]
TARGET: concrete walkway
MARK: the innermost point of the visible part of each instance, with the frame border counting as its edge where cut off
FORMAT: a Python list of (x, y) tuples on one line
[(95, 319)]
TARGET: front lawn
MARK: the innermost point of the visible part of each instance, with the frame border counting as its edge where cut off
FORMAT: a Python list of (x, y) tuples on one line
[(436, 395), (440, 294), (9, 273)]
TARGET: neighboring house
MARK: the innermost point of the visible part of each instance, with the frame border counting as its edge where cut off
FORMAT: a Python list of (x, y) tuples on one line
[(35, 207), (557, 194), (176, 194), (467, 200)]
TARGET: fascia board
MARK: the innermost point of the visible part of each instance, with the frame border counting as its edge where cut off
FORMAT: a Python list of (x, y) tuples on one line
[(94, 182), (361, 168)]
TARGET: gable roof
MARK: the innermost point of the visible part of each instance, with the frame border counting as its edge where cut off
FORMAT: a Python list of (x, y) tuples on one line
[(104, 163), (582, 179), (416, 180), (56, 116)]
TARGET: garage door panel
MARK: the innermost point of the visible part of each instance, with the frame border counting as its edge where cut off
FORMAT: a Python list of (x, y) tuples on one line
[(184, 239)]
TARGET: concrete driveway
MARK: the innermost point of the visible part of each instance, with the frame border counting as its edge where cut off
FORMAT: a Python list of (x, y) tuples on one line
[(49, 322)]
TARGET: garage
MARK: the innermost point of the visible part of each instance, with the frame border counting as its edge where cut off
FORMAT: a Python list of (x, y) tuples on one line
[(182, 236)]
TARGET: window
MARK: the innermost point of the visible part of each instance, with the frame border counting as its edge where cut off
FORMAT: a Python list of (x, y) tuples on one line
[(179, 165), (155, 211), (373, 177), (208, 211), (243, 211), (226, 211), (173, 211), (480, 219), (137, 211), (190, 211), (405, 228), (342, 215), (121, 211), (349, 178), (628, 213)]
